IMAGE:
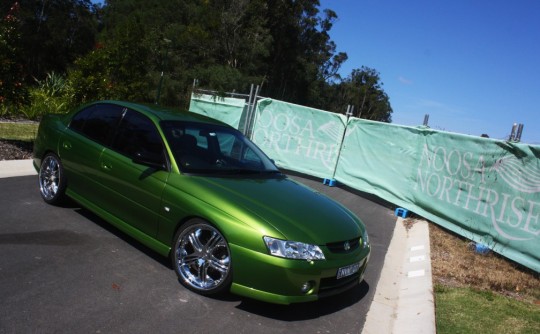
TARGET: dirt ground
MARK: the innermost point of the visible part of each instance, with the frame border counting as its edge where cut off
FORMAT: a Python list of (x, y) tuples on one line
[(15, 150), (455, 263)]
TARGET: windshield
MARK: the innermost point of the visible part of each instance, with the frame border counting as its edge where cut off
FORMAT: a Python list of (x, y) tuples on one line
[(212, 149)]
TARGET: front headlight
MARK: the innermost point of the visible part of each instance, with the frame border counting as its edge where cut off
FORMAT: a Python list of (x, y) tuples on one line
[(293, 249), (365, 239)]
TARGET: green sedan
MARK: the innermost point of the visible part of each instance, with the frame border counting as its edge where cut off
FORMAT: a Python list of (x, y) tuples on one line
[(196, 190)]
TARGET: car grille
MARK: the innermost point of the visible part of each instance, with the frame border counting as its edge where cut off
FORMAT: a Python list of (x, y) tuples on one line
[(340, 246)]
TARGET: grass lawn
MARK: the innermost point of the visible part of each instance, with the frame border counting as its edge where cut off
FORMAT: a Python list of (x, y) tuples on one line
[(18, 131), (465, 310), (477, 293)]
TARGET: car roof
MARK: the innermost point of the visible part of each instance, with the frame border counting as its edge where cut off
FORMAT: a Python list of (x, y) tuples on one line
[(160, 113)]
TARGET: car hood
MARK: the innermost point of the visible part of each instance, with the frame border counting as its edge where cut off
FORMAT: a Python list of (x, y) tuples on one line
[(292, 210)]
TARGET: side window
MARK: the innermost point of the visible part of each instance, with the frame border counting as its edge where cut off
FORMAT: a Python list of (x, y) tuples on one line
[(202, 141), (97, 122), (229, 146), (137, 134)]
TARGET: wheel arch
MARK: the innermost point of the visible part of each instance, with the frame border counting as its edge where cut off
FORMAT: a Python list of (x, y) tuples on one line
[(183, 221), (235, 231)]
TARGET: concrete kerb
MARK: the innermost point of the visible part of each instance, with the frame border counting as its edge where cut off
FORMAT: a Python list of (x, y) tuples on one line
[(403, 301), (10, 168)]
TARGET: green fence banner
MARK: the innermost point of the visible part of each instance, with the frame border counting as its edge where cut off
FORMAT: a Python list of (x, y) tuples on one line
[(377, 159), (483, 189), (486, 190), (225, 109), (299, 138)]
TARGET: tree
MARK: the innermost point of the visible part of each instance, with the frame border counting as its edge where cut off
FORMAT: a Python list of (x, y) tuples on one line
[(156, 48), (116, 70), (222, 43), (303, 58), (12, 89), (54, 33), (362, 89)]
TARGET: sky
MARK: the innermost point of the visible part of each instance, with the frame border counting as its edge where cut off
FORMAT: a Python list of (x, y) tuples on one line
[(472, 65)]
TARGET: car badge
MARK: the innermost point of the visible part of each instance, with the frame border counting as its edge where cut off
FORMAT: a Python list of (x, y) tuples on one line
[(347, 245)]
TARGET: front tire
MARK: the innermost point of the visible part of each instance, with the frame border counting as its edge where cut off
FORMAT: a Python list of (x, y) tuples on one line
[(52, 180), (201, 258)]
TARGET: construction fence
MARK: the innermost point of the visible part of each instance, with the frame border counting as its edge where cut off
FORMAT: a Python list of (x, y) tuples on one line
[(484, 189)]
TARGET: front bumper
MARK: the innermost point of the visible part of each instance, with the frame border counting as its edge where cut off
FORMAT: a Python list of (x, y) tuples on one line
[(277, 280)]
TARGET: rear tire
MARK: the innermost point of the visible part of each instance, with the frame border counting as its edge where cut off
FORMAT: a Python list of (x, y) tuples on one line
[(52, 180)]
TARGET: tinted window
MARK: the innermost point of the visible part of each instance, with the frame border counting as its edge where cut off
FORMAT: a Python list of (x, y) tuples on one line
[(137, 134), (77, 122), (201, 140), (98, 122)]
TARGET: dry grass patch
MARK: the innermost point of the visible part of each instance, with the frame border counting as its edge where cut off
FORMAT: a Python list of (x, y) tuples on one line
[(455, 264)]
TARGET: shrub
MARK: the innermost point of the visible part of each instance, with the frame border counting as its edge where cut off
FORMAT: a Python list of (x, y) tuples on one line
[(52, 95)]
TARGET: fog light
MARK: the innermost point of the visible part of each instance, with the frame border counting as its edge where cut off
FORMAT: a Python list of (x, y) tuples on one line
[(306, 287)]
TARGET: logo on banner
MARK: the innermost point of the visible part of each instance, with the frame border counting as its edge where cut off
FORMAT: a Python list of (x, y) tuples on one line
[(294, 136), (333, 130), (502, 191), (523, 178)]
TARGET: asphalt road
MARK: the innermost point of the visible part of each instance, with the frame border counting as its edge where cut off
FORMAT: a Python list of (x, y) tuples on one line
[(64, 270)]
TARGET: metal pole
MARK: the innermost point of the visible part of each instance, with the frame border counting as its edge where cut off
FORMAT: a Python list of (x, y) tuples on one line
[(426, 119), (252, 113), (248, 112), (348, 114), (350, 111), (513, 132), (519, 131)]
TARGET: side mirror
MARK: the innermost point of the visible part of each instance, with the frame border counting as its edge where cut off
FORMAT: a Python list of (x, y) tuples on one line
[(152, 160)]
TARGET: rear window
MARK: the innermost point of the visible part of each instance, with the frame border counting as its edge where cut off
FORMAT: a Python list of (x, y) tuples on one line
[(97, 122)]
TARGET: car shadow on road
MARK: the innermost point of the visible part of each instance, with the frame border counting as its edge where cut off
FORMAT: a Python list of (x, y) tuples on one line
[(306, 311), (292, 312), (121, 235), (47, 238)]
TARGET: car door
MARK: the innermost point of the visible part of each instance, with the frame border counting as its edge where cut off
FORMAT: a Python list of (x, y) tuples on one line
[(81, 146), (134, 190)]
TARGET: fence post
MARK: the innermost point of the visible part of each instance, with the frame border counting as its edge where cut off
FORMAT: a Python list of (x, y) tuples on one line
[(515, 134), (332, 181), (519, 131), (426, 120), (251, 111)]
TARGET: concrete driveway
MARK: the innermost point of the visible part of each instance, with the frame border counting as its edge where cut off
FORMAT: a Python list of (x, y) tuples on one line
[(63, 269)]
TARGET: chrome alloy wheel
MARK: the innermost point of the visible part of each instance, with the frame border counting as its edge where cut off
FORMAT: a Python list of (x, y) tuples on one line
[(202, 258), (49, 177)]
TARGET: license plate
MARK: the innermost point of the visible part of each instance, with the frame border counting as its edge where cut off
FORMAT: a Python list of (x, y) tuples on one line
[(348, 270)]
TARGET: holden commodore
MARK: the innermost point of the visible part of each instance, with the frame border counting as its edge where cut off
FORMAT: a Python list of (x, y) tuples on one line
[(196, 190)]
